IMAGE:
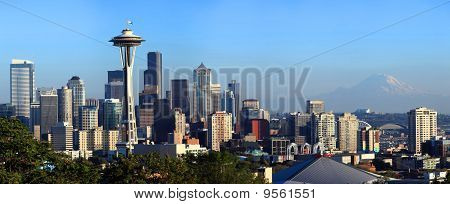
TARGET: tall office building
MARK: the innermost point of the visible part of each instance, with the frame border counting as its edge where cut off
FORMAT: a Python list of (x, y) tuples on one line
[(78, 97), (163, 123), (324, 130), (114, 87), (236, 89), (65, 105), (229, 104), (202, 93), (302, 125), (219, 129), (22, 87), (62, 136), (147, 100), (315, 106), (88, 118), (112, 114), (215, 98), (180, 96), (49, 111), (348, 133), (422, 125), (153, 74)]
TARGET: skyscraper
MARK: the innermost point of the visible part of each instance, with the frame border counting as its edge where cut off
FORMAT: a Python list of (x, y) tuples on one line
[(163, 124), (78, 98), (180, 96), (62, 137), (114, 87), (229, 103), (235, 88), (215, 97), (219, 129), (65, 105), (348, 133), (112, 114), (202, 93), (422, 125), (22, 88), (315, 106), (147, 100), (153, 74), (49, 111), (88, 118), (324, 130)]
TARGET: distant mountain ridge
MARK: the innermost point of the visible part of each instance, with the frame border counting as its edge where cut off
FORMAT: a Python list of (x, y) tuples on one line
[(383, 93)]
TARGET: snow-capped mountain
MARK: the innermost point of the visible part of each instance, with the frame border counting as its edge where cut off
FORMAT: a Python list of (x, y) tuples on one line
[(383, 93)]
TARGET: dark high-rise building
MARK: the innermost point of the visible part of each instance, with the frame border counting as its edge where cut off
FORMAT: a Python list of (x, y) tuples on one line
[(180, 96), (49, 111), (114, 87), (236, 89), (153, 74), (116, 75), (163, 124)]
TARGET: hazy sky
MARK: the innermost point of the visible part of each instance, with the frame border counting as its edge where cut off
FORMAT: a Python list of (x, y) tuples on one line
[(242, 34)]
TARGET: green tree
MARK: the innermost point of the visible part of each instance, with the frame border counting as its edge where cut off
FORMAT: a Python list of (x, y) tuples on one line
[(25, 160)]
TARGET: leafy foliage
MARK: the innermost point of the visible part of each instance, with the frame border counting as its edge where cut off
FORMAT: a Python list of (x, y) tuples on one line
[(25, 160)]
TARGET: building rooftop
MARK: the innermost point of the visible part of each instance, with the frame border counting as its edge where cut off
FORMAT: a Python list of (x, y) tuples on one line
[(323, 170)]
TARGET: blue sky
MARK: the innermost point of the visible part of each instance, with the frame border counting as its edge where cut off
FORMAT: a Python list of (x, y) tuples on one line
[(232, 33)]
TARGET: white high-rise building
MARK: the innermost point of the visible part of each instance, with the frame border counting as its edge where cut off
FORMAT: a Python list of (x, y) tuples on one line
[(78, 98), (422, 125), (65, 105), (220, 129), (88, 117), (348, 133), (22, 87), (324, 130)]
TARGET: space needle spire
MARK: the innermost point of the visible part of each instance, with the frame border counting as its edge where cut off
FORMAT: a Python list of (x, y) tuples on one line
[(127, 42)]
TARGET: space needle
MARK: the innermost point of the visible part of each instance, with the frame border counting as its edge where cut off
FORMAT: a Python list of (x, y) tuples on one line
[(127, 42)]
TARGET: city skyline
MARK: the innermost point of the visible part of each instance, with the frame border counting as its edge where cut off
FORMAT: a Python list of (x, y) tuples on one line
[(365, 56)]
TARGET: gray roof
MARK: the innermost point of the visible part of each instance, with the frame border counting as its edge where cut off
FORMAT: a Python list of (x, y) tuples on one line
[(391, 126), (323, 170)]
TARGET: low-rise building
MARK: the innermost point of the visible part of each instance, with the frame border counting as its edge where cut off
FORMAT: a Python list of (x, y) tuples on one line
[(171, 150)]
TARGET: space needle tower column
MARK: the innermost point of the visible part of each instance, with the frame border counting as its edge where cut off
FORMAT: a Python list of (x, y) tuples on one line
[(127, 42)]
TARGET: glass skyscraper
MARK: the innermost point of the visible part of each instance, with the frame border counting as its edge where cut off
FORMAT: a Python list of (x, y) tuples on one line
[(22, 87), (112, 114)]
